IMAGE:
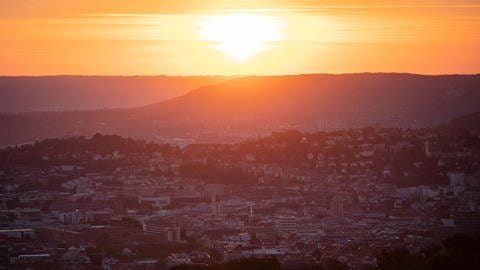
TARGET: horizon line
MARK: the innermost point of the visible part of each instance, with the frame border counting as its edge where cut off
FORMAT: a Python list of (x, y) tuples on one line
[(241, 75)]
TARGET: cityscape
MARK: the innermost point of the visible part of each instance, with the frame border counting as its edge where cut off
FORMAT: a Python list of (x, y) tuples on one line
[(303, 198), (239, 135)]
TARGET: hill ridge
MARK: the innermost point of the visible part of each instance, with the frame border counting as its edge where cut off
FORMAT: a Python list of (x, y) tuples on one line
[(250, 105)]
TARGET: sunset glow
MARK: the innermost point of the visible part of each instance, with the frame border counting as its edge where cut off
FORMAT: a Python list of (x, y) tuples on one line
[(241, 36), (188, 37)]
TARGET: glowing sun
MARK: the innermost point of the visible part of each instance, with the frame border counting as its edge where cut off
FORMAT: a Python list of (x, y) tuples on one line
[(241, 36)]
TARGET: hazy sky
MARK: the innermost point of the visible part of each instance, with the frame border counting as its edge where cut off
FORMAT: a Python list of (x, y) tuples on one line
[(185, 37)]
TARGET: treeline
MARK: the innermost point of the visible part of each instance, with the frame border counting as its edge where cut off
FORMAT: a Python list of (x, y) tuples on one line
[(98, 143), (289, 148), (214, 172), (66, 148), (460, 251)]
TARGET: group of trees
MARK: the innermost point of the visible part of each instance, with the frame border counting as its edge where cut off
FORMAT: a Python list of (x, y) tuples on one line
[(214, 172), (31, 154), (263, 264), (460, 251)]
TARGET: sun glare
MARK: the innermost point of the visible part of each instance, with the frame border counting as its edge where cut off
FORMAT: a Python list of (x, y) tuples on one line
[(241, 36)]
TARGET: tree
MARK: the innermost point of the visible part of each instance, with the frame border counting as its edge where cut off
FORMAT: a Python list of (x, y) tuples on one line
[(317, 254), (253, 264), (334, 264), (13, 203), (399, 259), (462, 243)]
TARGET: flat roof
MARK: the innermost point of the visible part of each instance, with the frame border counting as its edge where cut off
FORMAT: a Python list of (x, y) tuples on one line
[(16, 230), (33, 255)]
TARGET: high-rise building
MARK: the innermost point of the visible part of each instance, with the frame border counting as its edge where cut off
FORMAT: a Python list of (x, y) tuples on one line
[(215, 205), (336, 206), (286, 225), (170, 230)]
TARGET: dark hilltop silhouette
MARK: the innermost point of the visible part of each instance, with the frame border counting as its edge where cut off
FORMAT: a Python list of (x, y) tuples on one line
[(251, 105)]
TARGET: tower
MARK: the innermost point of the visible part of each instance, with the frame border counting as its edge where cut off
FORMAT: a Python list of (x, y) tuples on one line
[(250, 211), (427, 149), (304, 208)]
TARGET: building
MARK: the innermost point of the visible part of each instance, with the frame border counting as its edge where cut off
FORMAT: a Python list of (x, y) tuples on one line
[(286, 225), (170, 231), (155, 201), (18, 233), (336, 206)]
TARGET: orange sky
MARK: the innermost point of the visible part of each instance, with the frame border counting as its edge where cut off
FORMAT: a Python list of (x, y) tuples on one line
[(44, 37)]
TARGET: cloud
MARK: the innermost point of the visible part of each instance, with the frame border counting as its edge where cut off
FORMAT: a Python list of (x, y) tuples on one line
[(65, 8)]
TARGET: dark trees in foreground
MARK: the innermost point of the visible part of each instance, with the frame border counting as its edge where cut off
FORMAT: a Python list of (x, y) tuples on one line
[(460, 251)]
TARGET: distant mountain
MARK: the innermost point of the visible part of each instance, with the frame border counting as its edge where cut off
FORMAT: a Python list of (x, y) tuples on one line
[(253, 105), (57, 93), (363, 98)]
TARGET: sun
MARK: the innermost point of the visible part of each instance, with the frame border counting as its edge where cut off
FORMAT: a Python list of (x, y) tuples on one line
[(241, 36)]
